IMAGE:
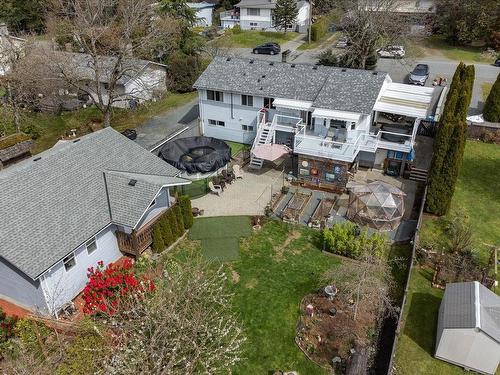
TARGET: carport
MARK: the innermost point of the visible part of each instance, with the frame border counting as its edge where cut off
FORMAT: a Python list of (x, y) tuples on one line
[(406, 100)]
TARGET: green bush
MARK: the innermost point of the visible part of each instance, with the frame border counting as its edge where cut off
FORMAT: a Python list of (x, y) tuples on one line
[(182, 72), (319, 29), (158, 243), (178, 220), (166, 230), (172, 223), (346, 239), (491, 110), (187, 211), (236, 29)]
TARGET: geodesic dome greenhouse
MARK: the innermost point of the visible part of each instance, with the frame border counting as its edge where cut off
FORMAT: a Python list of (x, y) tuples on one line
[(376, 204)]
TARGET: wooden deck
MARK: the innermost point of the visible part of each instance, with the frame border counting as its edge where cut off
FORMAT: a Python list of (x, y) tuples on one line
[(138, 241)]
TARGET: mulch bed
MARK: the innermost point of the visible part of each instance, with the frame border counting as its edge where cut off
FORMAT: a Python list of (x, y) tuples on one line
[(324, 336)]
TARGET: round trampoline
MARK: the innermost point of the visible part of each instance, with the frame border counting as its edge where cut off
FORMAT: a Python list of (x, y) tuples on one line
[(196, 154)]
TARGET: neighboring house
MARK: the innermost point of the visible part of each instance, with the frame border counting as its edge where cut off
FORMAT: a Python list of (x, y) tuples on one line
[(10, 46), (204, 12), (468, 333), (229, 19), (258, 15), (83, 201), (142, 80), (332, 118), (417, 14)]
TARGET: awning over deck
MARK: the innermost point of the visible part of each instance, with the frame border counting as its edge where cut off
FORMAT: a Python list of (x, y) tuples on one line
[(292, 104), (406, 100), (336, 115)]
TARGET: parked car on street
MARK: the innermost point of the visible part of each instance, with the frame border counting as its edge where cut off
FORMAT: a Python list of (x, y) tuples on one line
[(419, 75), (342, 42), (268, 48), (394, 52), (497, 62)]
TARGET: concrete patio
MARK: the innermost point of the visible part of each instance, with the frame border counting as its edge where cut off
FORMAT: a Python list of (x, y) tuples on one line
[(247, 196)]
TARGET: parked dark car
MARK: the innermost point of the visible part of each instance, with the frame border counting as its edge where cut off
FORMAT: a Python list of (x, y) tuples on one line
[(419, 75), (130, 134), (268, 48), (497, 62)]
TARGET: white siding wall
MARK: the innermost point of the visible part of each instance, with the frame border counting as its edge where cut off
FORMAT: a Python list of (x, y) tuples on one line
[(470, 349), (263, 20), (221, 111), (61, 286), (162, 202), (303, 15), (204, 16)]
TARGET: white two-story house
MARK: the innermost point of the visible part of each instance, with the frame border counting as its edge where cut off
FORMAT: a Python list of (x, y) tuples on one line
[(330, 117), (91, 199), (258, 15)]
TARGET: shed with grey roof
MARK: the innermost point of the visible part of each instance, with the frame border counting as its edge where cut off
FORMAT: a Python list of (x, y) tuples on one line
[(349, 90), (468, 332), (53, 202)]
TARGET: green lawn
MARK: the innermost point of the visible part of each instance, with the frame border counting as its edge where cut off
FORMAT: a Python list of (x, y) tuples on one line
[(485, 90), (237, 147), (437, 45), (328, 40), (220, 236), (251, 38), (477, 192), (277, 267), (52, 127)]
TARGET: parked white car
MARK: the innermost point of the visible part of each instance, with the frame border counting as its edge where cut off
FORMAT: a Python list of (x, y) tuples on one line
[(394, 52)]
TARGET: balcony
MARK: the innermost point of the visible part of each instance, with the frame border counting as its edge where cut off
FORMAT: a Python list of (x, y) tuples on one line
[(139, 240), (230, 15)]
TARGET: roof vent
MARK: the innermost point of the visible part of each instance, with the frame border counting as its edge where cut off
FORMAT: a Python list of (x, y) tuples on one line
[(293, 65), (76, 140), (258, 80), (271, 63), (344, 69), (261, 88), (38, 158), (251, 61), (132, 182), (375, 73), (228, 59), (315, 67), (263, 76)]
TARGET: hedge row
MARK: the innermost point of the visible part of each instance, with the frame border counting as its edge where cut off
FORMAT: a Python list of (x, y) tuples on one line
[(491, 110), (319, 28), (172, 224), (450, 141)]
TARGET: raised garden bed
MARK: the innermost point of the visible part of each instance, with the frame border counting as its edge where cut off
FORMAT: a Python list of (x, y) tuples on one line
[(322, 213), (295, 207)]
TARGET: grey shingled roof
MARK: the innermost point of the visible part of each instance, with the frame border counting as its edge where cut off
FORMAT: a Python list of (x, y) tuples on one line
[(56, 200), (349, 90), (459, 309)]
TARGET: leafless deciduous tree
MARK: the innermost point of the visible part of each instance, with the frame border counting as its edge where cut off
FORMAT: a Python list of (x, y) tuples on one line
[(367, 283), (186, 327), (367, 24), (107, 35)]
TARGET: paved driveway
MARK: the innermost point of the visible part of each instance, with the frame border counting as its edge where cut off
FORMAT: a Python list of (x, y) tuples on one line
[(181, 121)]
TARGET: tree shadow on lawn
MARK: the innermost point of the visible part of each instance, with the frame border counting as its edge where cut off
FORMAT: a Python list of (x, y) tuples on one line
[(421, 322)]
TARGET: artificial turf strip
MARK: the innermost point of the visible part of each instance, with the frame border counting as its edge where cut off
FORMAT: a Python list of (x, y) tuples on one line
[(220, 236)]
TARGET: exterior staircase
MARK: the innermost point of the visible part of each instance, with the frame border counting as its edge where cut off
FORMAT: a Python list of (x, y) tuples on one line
[(264, 136), (418, 174)]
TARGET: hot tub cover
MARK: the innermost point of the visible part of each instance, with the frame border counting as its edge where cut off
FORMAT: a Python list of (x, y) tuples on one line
[(196, 154)]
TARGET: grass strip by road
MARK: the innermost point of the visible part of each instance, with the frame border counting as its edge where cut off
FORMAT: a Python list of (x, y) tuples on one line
[(327, 41)]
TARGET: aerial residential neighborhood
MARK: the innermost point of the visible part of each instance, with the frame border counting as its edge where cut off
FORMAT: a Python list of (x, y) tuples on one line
[(249, 187)]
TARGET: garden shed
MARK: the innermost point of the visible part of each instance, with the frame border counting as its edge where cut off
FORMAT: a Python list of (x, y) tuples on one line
[(377, 204), (468, 332)]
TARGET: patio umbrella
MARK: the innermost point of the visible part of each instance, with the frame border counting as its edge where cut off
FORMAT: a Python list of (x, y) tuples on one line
[(270, 152)]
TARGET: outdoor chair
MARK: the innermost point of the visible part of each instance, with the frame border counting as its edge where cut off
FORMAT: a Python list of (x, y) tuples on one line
[(215, 189), (228, 177), (238, 173), (219, 181)]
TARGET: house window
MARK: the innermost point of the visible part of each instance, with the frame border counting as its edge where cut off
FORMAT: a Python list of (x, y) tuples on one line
[(217, 96), (91, 246), (254, 24), (247, 100), (247, 128), (216, 122), (253, 12), (69, 262), (269, 103)]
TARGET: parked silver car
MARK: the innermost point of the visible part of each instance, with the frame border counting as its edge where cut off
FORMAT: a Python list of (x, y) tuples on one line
[(419, 75), (394, 52), (342, 42)]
